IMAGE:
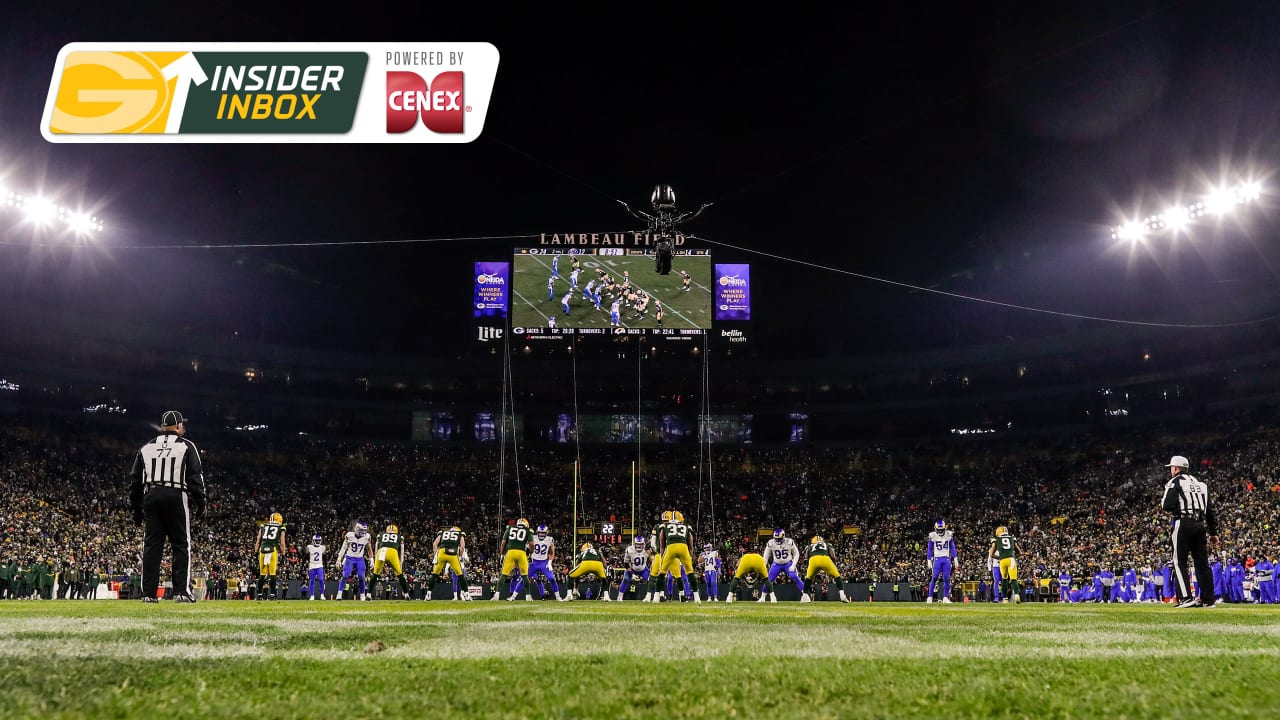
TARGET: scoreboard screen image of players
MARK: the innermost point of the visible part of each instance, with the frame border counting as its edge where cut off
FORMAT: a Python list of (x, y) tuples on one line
[(610, 291)]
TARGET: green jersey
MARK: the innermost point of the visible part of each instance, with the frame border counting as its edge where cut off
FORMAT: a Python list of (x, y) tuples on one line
[(450, 541), (392, 541), (269, 537), (673, 533), (1006, 546), (589, 555), (517, 538), (819, 548)]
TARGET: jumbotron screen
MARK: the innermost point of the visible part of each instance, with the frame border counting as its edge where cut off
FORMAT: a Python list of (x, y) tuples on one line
[(601, 291)]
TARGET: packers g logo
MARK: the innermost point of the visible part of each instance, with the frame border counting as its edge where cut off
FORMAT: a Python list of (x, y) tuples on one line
[(116, 92)]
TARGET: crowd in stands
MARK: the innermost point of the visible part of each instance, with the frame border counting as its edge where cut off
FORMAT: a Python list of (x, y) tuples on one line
[(1078, 503)]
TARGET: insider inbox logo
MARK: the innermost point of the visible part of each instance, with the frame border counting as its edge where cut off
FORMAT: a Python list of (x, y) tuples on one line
[(272, 92)]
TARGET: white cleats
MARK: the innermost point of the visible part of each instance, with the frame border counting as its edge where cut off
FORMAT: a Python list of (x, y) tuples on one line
[(843, 598), (804, 597), (946, 601), (606, 597), (313, 597), (560, 598), (773, 597), (528, 598), (763, 598), (696, 600), (928, 599), (730, 598), (647, 597)]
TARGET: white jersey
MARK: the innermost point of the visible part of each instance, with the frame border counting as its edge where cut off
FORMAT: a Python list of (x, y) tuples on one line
[(540, 548), (709, 558), (782, 552), (354, 546), (636, 558), (940, 544), (315, 556)]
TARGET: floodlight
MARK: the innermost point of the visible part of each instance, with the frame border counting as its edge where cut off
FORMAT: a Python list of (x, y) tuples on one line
[(81, 223), (1220, 201), (1177, 217), (40, 210)]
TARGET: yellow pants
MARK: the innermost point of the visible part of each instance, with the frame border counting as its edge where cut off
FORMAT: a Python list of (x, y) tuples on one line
[(443, 560), (1008, 568), (821, 563), (751, 562), (677, 557), (656, 570), (391, 557), (267, 563), (589, 567), (515, 559)]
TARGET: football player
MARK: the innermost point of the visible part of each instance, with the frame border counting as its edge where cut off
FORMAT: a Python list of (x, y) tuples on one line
[(1004, 550), (515, 557), (590, 562), (270, 540), (749, 564), (820, 561), (636, 560), (614, 319), (784, 554), (356, 551), (391, 552), (658, 314), (685, 279), (940, 549), (315, 566), (673, 541), (709, 559), (542, 556), (656, 574), (448, 549)]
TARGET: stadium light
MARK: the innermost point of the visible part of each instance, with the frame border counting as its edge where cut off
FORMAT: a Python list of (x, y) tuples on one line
[(1219, 202), (45, 212)]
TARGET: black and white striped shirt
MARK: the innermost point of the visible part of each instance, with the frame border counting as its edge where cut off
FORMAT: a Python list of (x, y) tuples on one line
[(1187, 498), (172, 461)]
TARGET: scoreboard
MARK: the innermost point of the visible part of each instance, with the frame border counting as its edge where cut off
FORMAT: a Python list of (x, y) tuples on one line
[(608, 291), (611, 533)]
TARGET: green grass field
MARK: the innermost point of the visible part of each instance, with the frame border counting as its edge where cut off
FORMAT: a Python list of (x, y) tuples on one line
[(531, 308), (631, 660)]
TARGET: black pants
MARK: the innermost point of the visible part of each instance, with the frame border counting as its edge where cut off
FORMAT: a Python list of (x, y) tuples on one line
[(166, 515), (1190, 539)]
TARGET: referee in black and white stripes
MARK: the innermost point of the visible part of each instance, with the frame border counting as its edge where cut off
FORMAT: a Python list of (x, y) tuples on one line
[(1195, 528), (166, 491)]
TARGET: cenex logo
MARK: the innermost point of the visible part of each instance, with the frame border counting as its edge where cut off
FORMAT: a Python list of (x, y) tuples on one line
[(734, 280), (490, 279), (440, 105)]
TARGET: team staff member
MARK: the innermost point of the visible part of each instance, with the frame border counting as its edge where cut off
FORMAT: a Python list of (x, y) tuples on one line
[(1195, 528), (166, 491)]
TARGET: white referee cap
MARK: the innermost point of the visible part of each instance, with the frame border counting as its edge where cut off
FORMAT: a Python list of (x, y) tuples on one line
[(1178, 461)]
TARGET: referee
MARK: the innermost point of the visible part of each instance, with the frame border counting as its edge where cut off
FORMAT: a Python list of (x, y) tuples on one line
[(166, 491), (1195, 527)]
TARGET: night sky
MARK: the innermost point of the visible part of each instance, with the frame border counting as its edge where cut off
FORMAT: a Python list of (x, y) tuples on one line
[(983, 153)]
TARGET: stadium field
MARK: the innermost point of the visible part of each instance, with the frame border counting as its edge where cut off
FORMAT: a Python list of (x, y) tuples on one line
[(530, 306), (631, 660)]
